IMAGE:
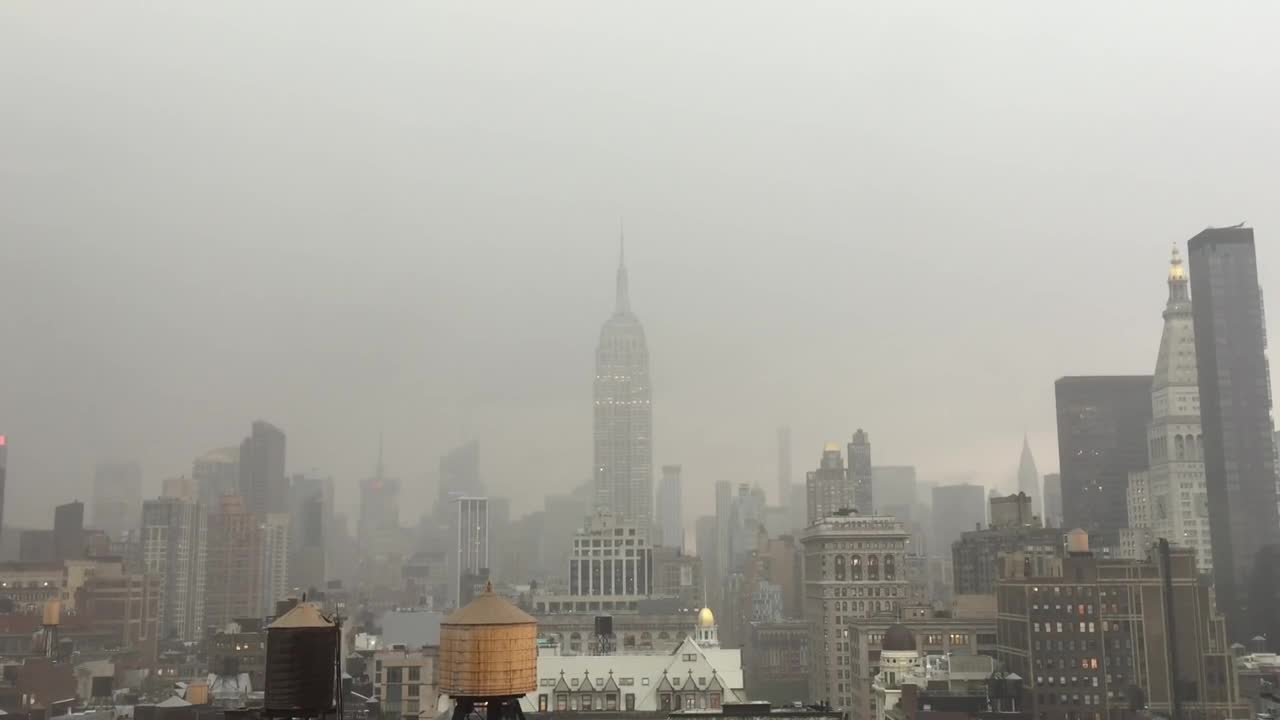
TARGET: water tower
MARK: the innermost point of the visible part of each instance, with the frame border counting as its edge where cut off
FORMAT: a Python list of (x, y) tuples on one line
[(303, 665), (488, 657)]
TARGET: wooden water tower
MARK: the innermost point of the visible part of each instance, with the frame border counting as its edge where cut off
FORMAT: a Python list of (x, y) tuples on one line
[(488, 657)]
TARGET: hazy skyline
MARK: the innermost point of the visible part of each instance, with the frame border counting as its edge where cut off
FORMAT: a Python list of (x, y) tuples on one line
[(906, 217)]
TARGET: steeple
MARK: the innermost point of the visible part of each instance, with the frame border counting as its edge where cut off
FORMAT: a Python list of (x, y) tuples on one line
[(1029, 476), (623, 304), (1179, 299)]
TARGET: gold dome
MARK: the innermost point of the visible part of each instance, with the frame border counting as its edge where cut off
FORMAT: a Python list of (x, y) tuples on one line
[(705, 618)]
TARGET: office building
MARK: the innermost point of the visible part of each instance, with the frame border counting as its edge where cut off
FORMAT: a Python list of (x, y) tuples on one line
[(671, 508), (678, 575), (860, 475), (611, 556), (310, 520), (722, 565), (459, 477), (776, 660), (275, 561), (1052, 500), (746, 522), (472, 544), (404, 680), (896, 487), (1100, 637), (68, 531), (233, 563), (1169, 499), (117, 497), (1029, 478), (1235, 413), (262, 481), (854, 567), (1102, 437), (1013, 529), (829, 489), (957, 509), (623, 414), (217, 473), (784, 466), (174, 540), (378, 528)]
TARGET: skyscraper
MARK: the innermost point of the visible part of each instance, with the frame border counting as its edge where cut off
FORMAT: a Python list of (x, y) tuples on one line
[(829, 488), (1102, 437), (173, 550), (623, 427), (957, 509), (1029, 479), (378, 529), (860, 472), (671, 508), (68, 531), (262, 480), (275, 561), (217, 473), (1169, 500), (472, 546), (1235, 411), (117, 497), (233, 563), (459, 477), (784, 466), (1053, 500)]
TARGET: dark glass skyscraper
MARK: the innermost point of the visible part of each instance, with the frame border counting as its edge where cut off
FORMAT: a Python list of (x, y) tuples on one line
[(262, 481), (1235, 411), (1102, 437)]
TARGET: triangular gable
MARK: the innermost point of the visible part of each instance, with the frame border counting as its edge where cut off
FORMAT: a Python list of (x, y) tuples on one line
[(715, 684), (561, 685), (586, 684), (610, 685), (665, 685)]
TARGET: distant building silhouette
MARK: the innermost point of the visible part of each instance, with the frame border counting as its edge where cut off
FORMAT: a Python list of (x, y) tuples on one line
[(68, 531), (262, 461), (829, 488), (859, 449), (1029, 478), (173, 551), (1052, 500), (671, 508)]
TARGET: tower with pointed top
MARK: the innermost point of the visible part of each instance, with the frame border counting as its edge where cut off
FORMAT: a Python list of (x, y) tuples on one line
[(1029, 478), (1169, 499), (623, 412)]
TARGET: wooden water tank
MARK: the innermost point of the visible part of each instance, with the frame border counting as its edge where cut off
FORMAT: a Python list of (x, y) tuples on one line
[(488, 649), (302, 657)]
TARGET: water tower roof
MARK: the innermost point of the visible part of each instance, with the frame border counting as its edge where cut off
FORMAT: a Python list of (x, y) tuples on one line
[(489, 609), (303, 615)]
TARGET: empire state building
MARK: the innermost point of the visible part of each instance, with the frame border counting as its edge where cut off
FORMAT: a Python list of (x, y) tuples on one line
[(624, 414)]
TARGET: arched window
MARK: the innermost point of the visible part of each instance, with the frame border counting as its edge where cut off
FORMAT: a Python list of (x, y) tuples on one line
[(888, 567), (1179, 450), (855, 567), (839, 567), (873, 567)]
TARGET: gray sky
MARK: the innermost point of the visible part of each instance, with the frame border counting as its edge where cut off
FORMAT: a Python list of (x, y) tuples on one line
[(906, 216)]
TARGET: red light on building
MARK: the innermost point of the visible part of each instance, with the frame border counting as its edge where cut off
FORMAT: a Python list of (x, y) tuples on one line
[(3, 441)]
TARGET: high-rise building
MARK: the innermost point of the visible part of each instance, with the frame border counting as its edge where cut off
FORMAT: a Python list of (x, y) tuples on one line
[(217, 473), (957, 509), (275, 561), (720, 567), (117, 497), (233, 563), (671, 508), (829, 488), (1029, 478), (378, 529), (173, 550), (1093, 637), (1053, 500), (1014, 528), (623, 426), (895, 486), (472, 544), (624, 564), (854, 567), (262, 481), (310, 524), (784, 465), (1102, 437), (860, 472), (68, 531), (459, 477), (1169, 499), (1235, 411)]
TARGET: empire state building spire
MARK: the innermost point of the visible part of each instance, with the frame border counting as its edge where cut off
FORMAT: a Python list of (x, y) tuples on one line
[(622, 305)]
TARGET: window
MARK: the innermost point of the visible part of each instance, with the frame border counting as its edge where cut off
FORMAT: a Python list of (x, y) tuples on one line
[(562, 702), (394, 675), (611, 701), (627, 681), (586, 702), (690, 703), (542, 703), (644, 681), (415, 674), (411, 690), (630, 701), (715, 701)]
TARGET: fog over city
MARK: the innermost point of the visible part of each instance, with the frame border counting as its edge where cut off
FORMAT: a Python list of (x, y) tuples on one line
[(909, 217)]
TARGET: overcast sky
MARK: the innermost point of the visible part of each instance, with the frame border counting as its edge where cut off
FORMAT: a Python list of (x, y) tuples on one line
[(904, 216)]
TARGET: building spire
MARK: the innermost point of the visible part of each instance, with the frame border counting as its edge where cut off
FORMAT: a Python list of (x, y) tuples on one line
[(1179, 299), (622, 305)]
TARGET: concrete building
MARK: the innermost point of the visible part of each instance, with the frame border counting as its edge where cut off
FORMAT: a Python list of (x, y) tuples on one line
[(1102, 437), (68, 531), (697, 674), (976, 555), (310, 520), (117, 497), (1097, 637), (1009, 511), (623, 414), (472, 547), (829, 488), (233, 564), (895, 486), (262, 481), (611, 557), (378, 527), (958, 509), (854, 567), (275, 561), (777, 661), (671, 508), (1169, 499), (860, 473), (404, 681), (1052, 500), (678, 575), (174, 543), (124, 606), (915, 686), (645, 625), (1235, 412)]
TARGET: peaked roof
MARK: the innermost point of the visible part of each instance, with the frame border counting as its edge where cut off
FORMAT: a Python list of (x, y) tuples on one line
[(1028, 475), (489, 609), (303, 615)]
